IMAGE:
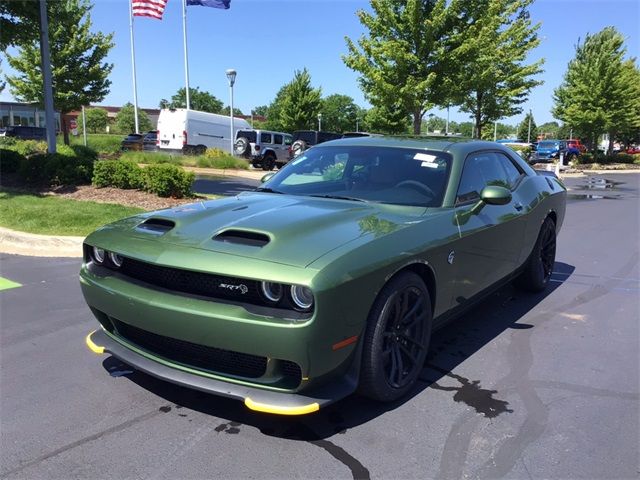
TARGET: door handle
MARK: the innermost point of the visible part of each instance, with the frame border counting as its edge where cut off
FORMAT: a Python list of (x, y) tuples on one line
[(517, 206)]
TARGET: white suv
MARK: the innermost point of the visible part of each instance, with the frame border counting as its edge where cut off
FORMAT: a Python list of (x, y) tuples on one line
[(263, 148)]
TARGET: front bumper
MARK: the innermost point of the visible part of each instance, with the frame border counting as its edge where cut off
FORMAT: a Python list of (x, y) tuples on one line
[(256, 399)]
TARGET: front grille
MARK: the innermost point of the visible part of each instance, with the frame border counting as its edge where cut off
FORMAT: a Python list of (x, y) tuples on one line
[(192, 354), (196, 283)]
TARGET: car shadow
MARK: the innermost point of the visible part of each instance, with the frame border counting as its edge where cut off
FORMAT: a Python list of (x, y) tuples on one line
[(450, 345)]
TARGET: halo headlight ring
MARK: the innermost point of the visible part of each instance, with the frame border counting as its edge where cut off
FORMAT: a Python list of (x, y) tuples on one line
[(99, 255), (115, 259), (302, 297), (273, 292)]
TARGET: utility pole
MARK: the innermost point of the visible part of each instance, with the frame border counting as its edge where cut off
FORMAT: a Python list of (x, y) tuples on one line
[(495, 130), (45, 56), (529, 132)]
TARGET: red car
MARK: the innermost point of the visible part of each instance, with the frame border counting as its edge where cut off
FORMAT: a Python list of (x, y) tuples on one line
[(633, 150), (576, 144)]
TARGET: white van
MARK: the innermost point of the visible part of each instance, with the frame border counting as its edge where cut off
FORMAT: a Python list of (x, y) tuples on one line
[(191, 131)]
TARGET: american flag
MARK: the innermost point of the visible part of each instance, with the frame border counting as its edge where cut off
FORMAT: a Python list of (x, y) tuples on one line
[(148, 8)]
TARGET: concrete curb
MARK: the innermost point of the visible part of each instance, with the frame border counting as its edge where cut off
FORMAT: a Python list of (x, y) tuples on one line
[(29, 244)]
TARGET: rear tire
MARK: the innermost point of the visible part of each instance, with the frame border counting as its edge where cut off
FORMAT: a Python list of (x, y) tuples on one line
[(241, 147), (396, 338), (539, 266)]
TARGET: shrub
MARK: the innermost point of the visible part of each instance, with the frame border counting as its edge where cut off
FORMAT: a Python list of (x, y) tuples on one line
[(127, 174), (215, 153), (55, 169), (604, 159), (167, 180), (23, 147), (9, 161), (103, 173), (85, 152)]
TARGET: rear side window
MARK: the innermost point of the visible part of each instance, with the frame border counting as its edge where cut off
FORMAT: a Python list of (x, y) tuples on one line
[(265, 138), (277, 139), (250, 135), (288, 139)]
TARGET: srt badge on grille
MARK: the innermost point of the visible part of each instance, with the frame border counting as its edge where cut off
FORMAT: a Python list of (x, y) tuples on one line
[(234, 288)]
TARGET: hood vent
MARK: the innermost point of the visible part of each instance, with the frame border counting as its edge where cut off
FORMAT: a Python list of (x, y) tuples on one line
[(157, 225), (243, 237)]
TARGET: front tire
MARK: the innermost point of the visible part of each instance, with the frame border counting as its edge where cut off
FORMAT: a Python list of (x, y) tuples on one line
[(396, 338), (539, 267), (268, 162)]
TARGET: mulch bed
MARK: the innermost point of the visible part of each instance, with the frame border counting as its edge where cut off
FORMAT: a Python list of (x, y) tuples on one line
[(130, 198)]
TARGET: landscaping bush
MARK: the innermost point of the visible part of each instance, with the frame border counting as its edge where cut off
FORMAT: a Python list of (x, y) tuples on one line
[(23, 147), (118, 173), (167, 180), (604, 159), (215, 153), (9, 161), (55, 169)]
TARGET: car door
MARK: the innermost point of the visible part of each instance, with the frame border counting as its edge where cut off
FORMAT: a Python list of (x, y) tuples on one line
[(491, 240), (278, 147)]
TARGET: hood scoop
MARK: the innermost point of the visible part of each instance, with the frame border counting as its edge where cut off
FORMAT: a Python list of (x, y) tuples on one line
[(243, 237), (156, 225)]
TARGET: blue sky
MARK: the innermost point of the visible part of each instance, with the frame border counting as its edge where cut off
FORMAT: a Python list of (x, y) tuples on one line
[(267, 40)]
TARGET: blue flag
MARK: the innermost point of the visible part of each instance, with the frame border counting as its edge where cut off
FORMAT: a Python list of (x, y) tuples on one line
[(211, 3)]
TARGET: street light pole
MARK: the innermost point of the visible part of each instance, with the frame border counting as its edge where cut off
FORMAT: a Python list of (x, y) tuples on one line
[(529, 132), (319, 122), (231, 76), (49, 113), (495, 130)]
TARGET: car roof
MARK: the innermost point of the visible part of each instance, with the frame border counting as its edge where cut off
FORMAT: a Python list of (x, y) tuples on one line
[(444, 144)]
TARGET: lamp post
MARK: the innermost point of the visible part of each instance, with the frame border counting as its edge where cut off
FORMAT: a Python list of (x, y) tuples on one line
[(319, 122), (231, 76)]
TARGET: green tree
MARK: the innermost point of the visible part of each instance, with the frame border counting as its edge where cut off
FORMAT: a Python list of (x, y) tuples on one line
[(273, 110), (465, 129), (523, 129), (19, 22), (261, 110), (79, 70), (379, 119), (495, 79), (339, 113), (549, 129), (125, 120), (401, 60), (432, 124), (2, 84), (300, 103), (236, 111), (96, 119), (198, 100), (601, 90)]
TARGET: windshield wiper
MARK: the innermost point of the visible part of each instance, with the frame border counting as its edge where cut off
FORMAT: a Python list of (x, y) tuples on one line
[(338, 197), (267, 190)]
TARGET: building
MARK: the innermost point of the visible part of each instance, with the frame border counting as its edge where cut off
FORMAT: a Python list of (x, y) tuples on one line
[(24, 114)]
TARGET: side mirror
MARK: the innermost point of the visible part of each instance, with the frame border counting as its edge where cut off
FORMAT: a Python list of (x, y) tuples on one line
[(494, 195), (267, 177)]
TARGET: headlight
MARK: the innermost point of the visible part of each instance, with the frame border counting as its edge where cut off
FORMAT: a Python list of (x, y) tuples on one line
[(272, 291), (302, 297), (116, 259), (98, 255)]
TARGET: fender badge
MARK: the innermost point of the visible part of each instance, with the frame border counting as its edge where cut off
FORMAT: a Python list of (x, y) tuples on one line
[(451, 257)]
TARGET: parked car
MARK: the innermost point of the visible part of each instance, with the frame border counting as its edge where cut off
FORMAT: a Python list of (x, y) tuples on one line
[(327, 279), (192, 132), (25, 133), (150, 141), (139, 141), (303, 139), (633, 150), (550, 150), (577, 144), (264, 149)]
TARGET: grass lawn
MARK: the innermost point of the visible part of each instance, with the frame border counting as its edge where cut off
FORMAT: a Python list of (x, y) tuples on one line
[(100, 142), (50, 215)]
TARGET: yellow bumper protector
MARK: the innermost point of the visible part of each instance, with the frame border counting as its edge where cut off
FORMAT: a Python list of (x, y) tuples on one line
[(92, 346), (279, 410)]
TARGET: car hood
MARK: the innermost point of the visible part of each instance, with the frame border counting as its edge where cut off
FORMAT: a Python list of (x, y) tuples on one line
[(285, 229)]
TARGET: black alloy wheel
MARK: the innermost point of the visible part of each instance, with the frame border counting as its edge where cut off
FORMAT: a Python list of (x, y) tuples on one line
[(397, 338)]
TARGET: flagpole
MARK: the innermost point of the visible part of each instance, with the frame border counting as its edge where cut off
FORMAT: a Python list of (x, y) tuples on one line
[(133, 69), (186, 60)]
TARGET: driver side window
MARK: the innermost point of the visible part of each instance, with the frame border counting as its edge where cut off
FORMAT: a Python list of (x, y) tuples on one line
[(481, 170)]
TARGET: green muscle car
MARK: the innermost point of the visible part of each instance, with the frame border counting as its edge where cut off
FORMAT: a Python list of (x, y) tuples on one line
[(326, 280)]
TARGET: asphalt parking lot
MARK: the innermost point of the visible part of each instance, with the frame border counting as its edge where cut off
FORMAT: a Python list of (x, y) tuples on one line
[(524, 386)]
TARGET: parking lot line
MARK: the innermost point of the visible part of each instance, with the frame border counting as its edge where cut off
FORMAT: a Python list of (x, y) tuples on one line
[(6, 284)]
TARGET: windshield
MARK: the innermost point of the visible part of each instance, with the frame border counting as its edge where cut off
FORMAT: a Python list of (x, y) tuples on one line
[(548, 145), (400, 176)]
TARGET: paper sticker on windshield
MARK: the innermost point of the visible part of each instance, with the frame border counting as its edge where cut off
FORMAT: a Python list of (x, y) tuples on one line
[(425, 157), (429, 164)]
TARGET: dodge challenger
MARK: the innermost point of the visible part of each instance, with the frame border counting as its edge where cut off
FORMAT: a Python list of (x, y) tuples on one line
[(326, 280)]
